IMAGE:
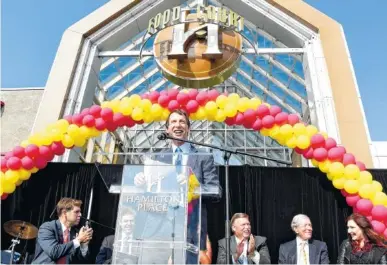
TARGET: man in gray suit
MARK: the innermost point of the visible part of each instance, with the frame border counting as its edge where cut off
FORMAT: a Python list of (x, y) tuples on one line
[(303, 250), (178, 126), (58, 242), (244, 247)]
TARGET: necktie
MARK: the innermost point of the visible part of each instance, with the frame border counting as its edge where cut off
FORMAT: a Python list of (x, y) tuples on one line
[(303, 253), (66, 239), (179, 160)]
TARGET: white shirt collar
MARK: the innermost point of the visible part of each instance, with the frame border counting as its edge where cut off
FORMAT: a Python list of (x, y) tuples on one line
[(185, 148), (64, 227), (299, 241)]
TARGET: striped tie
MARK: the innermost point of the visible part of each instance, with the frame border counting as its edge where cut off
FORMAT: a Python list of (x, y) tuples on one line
[(179, 160), (303, 253)]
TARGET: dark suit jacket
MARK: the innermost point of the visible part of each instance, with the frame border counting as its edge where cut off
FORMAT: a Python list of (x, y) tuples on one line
[(106, 251), (260, 247), (378, 255), (50, 247), (318, 252)]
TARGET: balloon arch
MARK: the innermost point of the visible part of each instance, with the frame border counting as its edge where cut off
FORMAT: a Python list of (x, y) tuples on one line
[(347, 174)]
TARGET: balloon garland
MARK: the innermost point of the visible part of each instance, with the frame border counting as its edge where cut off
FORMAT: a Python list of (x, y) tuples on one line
[(347, 174)]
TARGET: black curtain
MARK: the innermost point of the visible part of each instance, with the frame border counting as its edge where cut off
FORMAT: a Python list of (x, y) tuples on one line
[(271, 196)]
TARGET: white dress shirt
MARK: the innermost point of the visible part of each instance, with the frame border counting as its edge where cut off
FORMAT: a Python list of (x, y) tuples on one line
[(300, 257), (243, 256), (84, 247), (186, 149)]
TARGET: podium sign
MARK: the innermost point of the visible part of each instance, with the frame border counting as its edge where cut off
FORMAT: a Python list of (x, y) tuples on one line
[(158, 217)]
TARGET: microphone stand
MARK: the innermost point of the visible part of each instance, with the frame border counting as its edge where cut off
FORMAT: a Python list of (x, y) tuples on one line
[(227, 154)]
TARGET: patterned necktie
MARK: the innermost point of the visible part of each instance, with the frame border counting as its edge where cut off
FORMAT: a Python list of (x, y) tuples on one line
[(179, 160), (303, 253), (66, 239)]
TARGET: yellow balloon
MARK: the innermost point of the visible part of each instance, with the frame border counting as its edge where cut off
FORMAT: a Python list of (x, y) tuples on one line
[(329, 176), (135, 100), (192, 116), (299, 129), (115, 105), (19, 182), (336, 169), (243, 104), (67, 141), (339, 183), (201, 113), (351, 172), (62, 125), (230, 110), (233, 97), (265, 132), (95, 132), (324, 166), (365, 177), (79, 141), (137, 114), (220, 116), (8, 187), (156, 111), (211, 108), (352, 186), (377, 186), (221, 101), (46, 139), (315, 163), (148, 118), (379, 199), (146, 105), (34, 170), (275, 132), (367, 191), (324, 134), (56, 135), (12, 176), (73, 131), (311, 130), (286, 131), (24, 174), (125, 107), (105, 104), (254, 103), (25, 143), (292, 142), (303, 141), (85, 132), (165, 114)]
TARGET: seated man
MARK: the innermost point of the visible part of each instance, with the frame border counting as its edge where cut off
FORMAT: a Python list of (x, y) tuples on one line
[(126, 226), (303, 249), (58, 241), (244, 247)]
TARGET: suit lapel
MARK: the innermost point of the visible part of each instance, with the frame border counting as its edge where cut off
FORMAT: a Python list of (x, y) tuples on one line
[(233, 246), (192, 159), (293, 253), (312, 253), (58, 227)]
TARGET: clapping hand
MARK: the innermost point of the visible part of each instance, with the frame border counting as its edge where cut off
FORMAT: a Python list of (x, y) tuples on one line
[(251, 248)]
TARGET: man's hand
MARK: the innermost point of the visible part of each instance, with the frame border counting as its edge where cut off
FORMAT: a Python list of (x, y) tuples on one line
[(181, 179), (251, 247), (139, 179), (239, 249), (85, 235)]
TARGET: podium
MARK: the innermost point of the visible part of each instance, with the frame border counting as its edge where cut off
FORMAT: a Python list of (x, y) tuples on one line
[(159, 213)]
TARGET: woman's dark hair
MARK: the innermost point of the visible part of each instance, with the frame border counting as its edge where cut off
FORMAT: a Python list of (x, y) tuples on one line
[(368, 232)]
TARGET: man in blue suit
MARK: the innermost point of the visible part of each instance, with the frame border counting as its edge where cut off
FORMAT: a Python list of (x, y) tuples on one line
[(58, 242), (178, 126)]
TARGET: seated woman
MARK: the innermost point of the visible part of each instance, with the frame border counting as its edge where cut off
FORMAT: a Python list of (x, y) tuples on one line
[(364, 245)]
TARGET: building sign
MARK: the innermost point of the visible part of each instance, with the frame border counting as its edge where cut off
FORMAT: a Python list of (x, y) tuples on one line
[(197, 49)]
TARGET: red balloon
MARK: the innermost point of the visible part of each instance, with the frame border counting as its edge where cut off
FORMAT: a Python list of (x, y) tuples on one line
[(293, 119), (107, 114), (299, 150), (18, 151), (239, 119), (248, 124), (274, 110), (14, 163), (95, 110), (46, 152), (77, 119), (202, 98), (262, 111), (4, 165), (139, 122), (213, 94), (335, 154), (361, 166), (230, 121), (57, 148), (145, 96), (182, 98), (364, 206), (342, 149), (308, 153), (100, 124), (85, 111), (317, 141), (352, 199), (8, 155), (27, 163), (88, 120), (154, 96), (118, 119), (40, 162), (173, 105), (172, 93), (193, 93), (163, 101), (249, 115), (281, 118), (379, 213), (32, 150), (268, 121), (68, 118), (4, 196), (320, 154), (369, 218), (164, 93), (257, 125), (192, 106), (379, 227), (330, 143), (345, 194), (349, 159)]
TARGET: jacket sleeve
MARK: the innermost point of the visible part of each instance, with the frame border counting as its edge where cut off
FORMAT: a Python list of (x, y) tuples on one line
[(103, 254), (383, 260), (342, 249), (50, 245), (281, 255), (263, 251), (222, 259), (210, 178), (324, 259)]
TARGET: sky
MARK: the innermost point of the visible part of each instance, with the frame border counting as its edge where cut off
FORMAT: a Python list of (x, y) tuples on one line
[(31, 32)]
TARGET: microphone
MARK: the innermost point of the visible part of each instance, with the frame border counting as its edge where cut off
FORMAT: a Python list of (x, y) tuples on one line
[(163, 136), (89, 221)]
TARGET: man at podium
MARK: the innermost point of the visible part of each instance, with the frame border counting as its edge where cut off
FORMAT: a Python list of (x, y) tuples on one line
[(178, 126)]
